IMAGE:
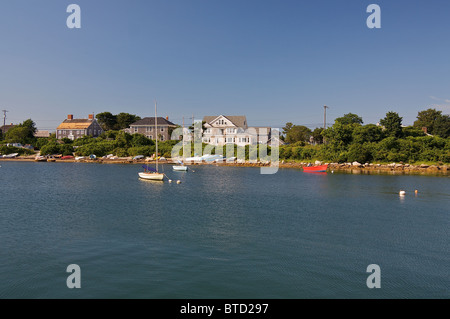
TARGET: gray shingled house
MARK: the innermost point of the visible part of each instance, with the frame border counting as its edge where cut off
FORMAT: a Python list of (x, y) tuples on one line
[(146, 127)]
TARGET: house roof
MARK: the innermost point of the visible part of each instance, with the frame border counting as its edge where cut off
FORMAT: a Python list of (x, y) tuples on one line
[(6, 128), (42, 134), (237, 120), (150, 121), (75, 124)]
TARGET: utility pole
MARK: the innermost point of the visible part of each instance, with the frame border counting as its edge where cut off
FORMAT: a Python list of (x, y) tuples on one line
[(325, 116), (4, 117)]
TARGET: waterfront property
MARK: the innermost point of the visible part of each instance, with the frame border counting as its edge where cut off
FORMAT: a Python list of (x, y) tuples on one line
[(146, 127), (221, 130), (75, 128)]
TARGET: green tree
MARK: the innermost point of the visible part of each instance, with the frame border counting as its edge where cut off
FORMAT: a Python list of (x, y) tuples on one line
[(106, 120), (317, 135), (442, 126), (434, 121), (349, 118), (392, 124), (287, 128), (140, 140), (22, 133), (298, 133), (339, 135), (125, 119), (367, 133), (412, 131)]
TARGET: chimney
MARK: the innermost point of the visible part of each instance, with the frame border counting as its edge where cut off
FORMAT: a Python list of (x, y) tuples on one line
[(167, 118), (70, 117), (91, 116)]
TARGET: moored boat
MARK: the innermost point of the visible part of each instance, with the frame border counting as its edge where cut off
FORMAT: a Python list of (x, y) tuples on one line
[(315, 169), (150, 173)]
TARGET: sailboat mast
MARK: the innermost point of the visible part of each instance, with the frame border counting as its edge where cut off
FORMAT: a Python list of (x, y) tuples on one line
[(156, 134)]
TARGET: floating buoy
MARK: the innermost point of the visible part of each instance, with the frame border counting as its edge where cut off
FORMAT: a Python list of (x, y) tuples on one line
[(170, 181), (332, 172), (416, 191), (178, 182), (402, 193)]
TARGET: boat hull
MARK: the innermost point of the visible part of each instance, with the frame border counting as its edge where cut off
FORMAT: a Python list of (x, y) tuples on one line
[(179, 168), (316, 169), (151, 176)]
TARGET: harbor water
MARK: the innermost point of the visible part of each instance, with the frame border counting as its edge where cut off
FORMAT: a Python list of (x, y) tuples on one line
[(223, 232)]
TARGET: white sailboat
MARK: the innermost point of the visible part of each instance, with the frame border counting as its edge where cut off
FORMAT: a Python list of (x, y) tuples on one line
[(150, 173)]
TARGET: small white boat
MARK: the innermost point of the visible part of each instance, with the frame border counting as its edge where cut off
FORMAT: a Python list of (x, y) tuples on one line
[(40, 159), (180, 167), (78, 158), (11, 155), (151, 176)]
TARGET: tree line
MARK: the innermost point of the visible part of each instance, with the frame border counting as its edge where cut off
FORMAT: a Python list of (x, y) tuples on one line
[(348, 140)]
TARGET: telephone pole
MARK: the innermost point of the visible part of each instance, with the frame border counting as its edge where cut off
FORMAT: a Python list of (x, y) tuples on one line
[(325, 116), (4, 117)]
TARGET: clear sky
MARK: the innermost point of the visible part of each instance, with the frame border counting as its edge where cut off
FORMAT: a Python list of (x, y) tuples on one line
[(275, 61)]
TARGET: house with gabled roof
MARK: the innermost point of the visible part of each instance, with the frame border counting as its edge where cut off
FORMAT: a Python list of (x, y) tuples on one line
[(75, 128), (146, 127), (225, 129)]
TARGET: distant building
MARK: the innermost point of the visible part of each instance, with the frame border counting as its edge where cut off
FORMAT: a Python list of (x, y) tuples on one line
[(75, 128), (42, 134), (6, 128), (221, 130), (146, 127)]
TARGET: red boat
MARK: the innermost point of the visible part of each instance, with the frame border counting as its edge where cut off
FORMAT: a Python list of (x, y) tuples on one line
[(315, 169)]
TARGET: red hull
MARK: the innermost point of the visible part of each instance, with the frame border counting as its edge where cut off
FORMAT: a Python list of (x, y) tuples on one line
[(315, 169)]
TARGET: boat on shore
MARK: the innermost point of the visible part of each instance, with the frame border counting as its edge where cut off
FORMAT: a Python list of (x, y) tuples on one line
[(315, 169), (14, 155), (40, 159)]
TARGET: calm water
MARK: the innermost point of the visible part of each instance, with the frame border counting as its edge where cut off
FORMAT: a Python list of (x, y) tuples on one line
[(222, 233)]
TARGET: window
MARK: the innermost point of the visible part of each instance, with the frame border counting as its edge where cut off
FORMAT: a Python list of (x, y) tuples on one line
[(208, 131), (135, 129), (150, 137), (149, 128), (59, 132), (162, 129), (95, 132)]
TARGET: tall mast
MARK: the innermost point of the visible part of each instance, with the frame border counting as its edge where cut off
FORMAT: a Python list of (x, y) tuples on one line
[(156, 133)]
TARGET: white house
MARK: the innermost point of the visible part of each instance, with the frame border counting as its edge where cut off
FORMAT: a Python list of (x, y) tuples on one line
[(221, 130)]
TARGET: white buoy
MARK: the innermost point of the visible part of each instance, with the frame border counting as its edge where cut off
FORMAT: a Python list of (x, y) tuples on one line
[(178, 182), (170, 181), (402, 193)]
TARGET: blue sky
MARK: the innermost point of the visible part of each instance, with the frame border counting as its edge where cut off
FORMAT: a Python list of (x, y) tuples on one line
[(273, 61)]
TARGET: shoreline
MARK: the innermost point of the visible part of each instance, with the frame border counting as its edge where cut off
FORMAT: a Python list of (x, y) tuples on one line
[(354, 168)]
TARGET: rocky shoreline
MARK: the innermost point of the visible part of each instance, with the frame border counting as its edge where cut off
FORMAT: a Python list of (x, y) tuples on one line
[(354, 168)]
